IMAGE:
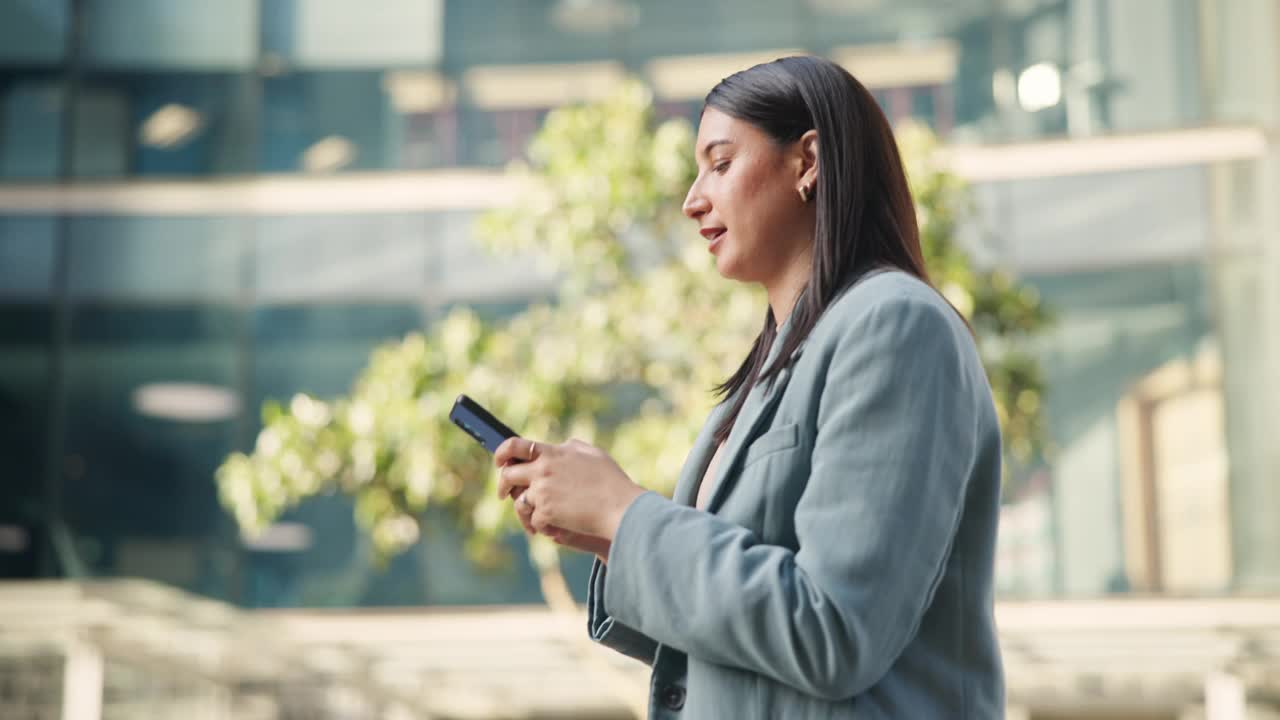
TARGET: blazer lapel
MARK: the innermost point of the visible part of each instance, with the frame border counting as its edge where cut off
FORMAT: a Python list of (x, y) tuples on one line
[(752, 419)]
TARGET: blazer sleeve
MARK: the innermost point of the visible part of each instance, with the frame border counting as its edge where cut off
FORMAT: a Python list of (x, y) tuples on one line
[(896, 442), (607, 631)]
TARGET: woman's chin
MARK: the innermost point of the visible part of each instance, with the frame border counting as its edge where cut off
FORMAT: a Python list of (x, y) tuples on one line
[(728, 269)]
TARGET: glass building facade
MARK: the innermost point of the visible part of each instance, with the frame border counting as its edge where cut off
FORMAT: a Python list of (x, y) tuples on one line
[(206, 205)]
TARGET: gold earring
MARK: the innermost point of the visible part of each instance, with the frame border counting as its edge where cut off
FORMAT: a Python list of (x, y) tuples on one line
[(804, 194)]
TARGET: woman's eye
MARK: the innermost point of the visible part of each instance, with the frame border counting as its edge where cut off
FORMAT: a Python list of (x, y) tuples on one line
[(720, 167)]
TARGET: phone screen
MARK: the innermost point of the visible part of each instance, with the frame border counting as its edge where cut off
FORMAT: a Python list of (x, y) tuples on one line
[(479, 423)]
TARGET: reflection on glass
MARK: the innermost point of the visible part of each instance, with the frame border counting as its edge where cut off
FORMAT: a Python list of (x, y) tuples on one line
[(152, 469), (25, 343), (354, 120), (162, 123)]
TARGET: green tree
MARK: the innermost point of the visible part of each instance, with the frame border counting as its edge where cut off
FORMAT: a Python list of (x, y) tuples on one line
[(624, 356)]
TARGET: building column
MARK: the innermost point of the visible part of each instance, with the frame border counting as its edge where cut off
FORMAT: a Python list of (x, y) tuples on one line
[(82, 682), (1241, 73)]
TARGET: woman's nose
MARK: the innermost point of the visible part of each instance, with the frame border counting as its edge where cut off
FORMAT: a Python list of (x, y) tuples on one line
[(695, 205)]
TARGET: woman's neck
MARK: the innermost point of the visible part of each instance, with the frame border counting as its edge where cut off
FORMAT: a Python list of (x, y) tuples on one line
[(785, 289)]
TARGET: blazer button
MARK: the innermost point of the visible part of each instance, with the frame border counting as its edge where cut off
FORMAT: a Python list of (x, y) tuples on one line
[(673, 697)]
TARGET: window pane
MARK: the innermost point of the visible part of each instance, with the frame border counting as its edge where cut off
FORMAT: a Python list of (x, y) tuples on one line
[(339, 34), (151, 410), (33, 32), (24, 390), (164, 123), (130, 257), (320, 348), (26, 256), (355, 87), (326, 256), (30, 128), (327, 121), (171, 34), (166, 90), (496, 32)]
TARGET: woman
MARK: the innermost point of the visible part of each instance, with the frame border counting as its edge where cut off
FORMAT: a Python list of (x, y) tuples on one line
[(829, 549)]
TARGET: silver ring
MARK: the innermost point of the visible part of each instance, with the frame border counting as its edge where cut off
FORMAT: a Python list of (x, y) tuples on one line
[(524, 499), (533, 449)]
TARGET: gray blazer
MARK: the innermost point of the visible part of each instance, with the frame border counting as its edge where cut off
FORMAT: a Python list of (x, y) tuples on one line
[(843, 568)]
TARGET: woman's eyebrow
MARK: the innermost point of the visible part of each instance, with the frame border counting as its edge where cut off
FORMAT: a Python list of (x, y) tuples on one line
[(706, 149)]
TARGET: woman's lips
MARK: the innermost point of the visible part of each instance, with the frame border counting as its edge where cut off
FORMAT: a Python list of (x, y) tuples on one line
[(714, 235)]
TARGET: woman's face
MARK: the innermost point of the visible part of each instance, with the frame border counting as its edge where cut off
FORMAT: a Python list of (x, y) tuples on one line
[(746, 200)]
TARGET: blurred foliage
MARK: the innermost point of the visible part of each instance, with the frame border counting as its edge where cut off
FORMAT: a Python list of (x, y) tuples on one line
[(624, 356)]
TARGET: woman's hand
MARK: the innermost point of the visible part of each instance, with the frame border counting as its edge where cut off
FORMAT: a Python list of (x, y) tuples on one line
[(582, 543), (572, 490)]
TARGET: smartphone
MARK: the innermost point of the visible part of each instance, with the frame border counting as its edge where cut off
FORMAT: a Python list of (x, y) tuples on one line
[(479, 423)]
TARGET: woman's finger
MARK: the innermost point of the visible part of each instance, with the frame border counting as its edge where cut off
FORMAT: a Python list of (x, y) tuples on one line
[(524, 512), (517, 450), (513, 478), (540, 520)]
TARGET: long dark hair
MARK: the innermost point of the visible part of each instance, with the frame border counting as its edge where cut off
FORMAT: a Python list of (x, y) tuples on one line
[(866, 219)]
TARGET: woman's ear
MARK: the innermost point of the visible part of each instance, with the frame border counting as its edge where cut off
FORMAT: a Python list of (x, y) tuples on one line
[(809, 158)]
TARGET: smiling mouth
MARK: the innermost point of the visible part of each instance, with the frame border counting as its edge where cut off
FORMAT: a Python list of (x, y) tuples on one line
[(713, 240), (713, 234)]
